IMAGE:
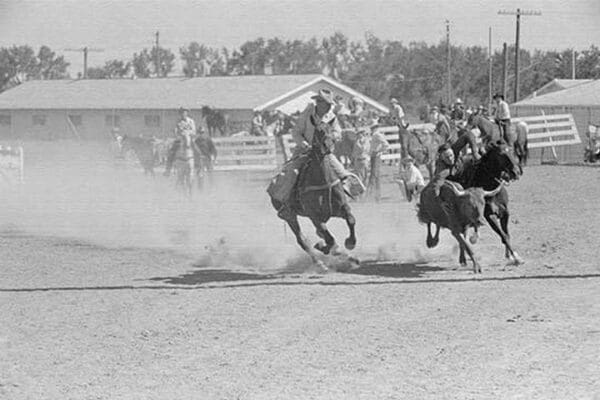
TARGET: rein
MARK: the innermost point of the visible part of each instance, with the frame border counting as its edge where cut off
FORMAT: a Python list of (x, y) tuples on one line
[(321, 187)]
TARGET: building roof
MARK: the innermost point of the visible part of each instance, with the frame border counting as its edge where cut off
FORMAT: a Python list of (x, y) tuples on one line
[(224, 92), (557, 84), (583, 94)]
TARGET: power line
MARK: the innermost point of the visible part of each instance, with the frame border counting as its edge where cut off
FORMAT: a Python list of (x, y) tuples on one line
[(448, 61), (157, 56)]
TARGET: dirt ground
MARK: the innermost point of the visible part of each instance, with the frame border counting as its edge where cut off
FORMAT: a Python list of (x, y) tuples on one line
[(115, 286)]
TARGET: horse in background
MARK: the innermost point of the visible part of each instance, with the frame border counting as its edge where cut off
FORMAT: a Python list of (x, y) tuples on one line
[(144, 150), (520, 145), (422, 146), (490, 133), (345, 146), (215, 121)]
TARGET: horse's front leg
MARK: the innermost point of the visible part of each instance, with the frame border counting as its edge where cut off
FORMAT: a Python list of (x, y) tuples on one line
[(302, 240), (432, 240), (501, 228), (323, 233), (350, 242), (508, 246)]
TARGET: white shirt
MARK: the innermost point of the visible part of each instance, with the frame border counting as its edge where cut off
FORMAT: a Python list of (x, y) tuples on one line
[(502, 110), (413, 176)]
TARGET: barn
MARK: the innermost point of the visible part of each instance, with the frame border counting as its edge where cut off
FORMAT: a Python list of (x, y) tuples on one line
[(581, 98), (91, 109)]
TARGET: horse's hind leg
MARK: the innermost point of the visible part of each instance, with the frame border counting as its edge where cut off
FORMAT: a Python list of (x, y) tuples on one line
[(350, 242)]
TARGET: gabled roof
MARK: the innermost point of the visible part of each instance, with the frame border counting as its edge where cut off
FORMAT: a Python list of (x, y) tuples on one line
[(245, 92), (584, 94), (337, 85), (557, 84)]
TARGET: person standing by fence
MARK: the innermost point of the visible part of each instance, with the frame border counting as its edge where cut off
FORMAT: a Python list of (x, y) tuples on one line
[(361, 154), (379, 145), (396, 117), (502, 116)]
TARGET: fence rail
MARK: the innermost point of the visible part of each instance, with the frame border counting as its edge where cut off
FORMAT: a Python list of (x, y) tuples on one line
[(246, 153), (550, 131)]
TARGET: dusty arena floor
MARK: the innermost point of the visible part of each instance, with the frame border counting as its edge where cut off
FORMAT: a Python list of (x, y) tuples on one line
[(115, 286)]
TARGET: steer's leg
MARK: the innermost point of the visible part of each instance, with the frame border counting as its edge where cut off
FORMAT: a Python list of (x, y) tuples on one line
[(460, 237)]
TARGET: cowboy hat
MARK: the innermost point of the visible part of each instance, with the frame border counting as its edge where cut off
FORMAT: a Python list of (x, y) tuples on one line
[(498, 95), (325, 95), (393, 100)]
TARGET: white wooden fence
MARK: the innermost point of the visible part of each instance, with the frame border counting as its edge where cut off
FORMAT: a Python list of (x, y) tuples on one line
[(11, 164), (550, 131), (390, 133), (246, 153), (264, 153)]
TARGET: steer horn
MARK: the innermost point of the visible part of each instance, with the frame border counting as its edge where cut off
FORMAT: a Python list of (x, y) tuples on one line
[(494, 192), (456, 190)]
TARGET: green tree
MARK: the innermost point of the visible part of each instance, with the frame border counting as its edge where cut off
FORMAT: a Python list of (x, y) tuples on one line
[(111, 69), (199, 59), (144, 63), (20, 63), (49, 65)]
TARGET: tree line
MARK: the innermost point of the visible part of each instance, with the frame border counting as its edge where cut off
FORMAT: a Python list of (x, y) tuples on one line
[(414, 73)]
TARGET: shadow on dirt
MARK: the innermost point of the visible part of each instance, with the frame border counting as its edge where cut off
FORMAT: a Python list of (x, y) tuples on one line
[(201, 276), (391, 269)]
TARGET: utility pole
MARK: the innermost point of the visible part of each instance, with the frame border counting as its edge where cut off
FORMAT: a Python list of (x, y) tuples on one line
[(518, 13), (448, 62), (157, 56), (490, 67), (573, 63), (504, 68), (85, 51)]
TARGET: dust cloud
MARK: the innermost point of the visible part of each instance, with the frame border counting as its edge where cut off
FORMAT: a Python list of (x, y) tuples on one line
[(77, 190)]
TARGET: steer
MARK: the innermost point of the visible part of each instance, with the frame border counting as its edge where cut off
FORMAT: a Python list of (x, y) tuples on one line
[(456, 209)]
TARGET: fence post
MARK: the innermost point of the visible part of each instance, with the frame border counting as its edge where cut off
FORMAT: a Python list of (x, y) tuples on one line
[(555, 161)]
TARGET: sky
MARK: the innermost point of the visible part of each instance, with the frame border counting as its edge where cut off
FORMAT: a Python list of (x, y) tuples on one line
[(120, 28)]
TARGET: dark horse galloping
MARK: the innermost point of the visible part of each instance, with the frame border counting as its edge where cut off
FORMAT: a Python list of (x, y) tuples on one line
[(497, 164), (318, 195)]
